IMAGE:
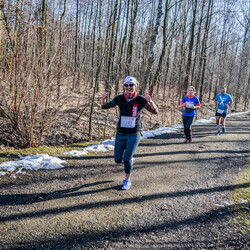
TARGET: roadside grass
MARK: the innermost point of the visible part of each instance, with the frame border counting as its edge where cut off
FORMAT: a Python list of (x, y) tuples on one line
[(13, 154), (241, 198)]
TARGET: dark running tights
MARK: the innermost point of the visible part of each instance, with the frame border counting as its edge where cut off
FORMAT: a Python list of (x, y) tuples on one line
[(187, 123)]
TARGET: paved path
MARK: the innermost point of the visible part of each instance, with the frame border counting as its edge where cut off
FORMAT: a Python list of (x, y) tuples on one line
[(173, 202)]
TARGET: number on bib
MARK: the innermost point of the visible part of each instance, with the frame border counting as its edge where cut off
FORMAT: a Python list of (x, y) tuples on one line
[(127, 122), (220, 111)]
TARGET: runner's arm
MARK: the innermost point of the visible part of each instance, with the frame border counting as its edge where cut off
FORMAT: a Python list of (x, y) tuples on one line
[(216, 101), (229, 104), (198, 106), (183, 102), (151, 107), (109, 105)]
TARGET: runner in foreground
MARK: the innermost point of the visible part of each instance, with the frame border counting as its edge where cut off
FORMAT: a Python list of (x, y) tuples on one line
[(191, 103), (223, 101), (129, 126)]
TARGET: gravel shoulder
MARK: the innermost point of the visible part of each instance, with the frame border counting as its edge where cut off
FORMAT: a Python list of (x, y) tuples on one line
[(181, 197)]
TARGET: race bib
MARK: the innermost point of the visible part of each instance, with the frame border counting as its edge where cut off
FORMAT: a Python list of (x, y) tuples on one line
[(220, 111), (189, 105), (127, 122)]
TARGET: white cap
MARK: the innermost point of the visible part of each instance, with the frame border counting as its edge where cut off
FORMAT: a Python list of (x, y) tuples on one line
[(130, 79)]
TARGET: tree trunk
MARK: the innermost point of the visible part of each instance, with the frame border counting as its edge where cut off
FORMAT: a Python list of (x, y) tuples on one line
[(204, 48), (243, 65), (75, 84), (182, 55), (196, 54), (165, 39), (134, 11), (111, 47), (190, 49), (120, 60), (152, 45), (246, 98), (60, 52)]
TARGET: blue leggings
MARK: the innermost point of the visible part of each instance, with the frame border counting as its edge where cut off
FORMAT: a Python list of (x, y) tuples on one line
[(187, 123), (125, 146)]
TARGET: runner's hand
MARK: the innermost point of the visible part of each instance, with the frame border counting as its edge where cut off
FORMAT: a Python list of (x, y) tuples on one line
[(148, 98), (105, 94), (226, 105)]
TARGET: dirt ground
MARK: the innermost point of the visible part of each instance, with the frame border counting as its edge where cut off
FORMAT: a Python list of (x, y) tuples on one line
[(180, 197)]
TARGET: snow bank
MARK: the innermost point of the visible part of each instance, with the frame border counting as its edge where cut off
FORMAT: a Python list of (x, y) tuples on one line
[(109, 144), (159, 131), (102, 147), (35, 162), (196, 123), (209, 120), (238, 113), (204, 121), (45, 161)]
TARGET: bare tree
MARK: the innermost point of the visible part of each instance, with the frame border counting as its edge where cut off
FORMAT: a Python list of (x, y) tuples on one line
[(50, 46), (203, 59), (60, 51), (152, 45), (165, 39), (134, 11), (190, 49), (244, 63)]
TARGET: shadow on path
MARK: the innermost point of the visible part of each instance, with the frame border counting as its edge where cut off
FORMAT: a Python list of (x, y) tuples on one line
[(113, 202), (93, 236), (20, 199)]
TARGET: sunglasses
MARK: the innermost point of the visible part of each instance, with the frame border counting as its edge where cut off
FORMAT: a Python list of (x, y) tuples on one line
[(129, 85)]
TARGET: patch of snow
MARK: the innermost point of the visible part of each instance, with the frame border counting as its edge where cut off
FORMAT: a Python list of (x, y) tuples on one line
[(196, 123), (32, 162), (159, 131), (109, 144), (219, 205), (243, 201), (221, 213), (76, 153), (238, 113), (102, 147), (204, 121), (44, 161)]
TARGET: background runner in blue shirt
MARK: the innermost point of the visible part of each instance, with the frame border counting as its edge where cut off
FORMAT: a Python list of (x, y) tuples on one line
[(223, 101), (191, 103)]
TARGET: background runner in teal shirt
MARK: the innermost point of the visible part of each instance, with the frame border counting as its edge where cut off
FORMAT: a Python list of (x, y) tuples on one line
[(223, 101)]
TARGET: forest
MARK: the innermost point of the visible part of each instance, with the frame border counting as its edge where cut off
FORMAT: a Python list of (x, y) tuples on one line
[(58, 56)]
